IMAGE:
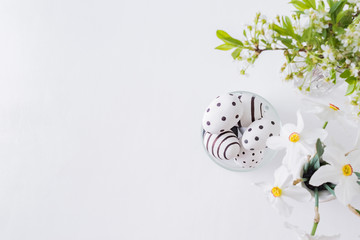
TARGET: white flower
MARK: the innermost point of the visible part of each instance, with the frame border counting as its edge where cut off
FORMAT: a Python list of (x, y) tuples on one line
[(297, 141), (325, 112), (327, 52), (302, 235), (340, 171), (282, 189)]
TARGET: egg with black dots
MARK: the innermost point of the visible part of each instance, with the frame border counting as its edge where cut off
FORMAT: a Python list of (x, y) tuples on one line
[(222, 114), (258, 132), (249, 159)]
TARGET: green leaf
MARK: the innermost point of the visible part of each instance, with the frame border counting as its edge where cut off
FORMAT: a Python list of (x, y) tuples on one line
[(332, 74), (338, 30), (345, 74), (331, 3), (319, 147), (311, 3), (357, 174), (236, 53), (340, 16), (337, 6), (307, 34), (279, 29), (352, 85), (287, 42), (228, 39), (225, 47), (288, 25), (299, 5)]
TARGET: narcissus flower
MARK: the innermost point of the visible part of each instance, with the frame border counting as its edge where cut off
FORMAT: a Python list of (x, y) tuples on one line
[(340, 171), (297, 141), (282, 189), (325, 112)]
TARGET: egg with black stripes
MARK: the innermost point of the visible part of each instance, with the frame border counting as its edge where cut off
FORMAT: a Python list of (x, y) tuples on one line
[(223, 146), (253, 109)]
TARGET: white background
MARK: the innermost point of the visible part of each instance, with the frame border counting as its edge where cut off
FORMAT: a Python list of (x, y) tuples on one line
[(100, 112)]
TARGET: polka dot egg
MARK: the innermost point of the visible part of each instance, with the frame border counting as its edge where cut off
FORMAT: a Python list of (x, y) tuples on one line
[(258, 132), (222, 114), (249, 158)]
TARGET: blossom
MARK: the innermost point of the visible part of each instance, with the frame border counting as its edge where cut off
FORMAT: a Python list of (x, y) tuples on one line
[(282, 189), (325, 112), (340, 171), (297, 141), (302, 235), (328, 52)]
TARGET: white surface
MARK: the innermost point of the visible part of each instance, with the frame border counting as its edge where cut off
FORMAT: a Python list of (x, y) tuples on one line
[(100, 109)]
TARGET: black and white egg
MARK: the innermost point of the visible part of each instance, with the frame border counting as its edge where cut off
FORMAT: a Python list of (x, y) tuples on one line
[(249, 158), (254, 109), (258, 132), (222, 114), (223, 146)]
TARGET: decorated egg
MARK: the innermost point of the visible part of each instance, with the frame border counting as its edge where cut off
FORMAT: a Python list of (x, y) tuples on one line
[(258, 132), (254, 109), (224, 146), (249, 158), (222, 114)]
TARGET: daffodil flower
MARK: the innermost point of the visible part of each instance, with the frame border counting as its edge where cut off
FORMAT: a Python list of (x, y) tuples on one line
[(340, 171), (325, 112), (283, 189), (302, 235), (297, 141)]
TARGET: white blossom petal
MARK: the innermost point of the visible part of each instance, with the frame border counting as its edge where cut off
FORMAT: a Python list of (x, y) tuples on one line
[(300, 122), (276, 142), (325, 174), (297, 193), (346, 190), (282, 207)]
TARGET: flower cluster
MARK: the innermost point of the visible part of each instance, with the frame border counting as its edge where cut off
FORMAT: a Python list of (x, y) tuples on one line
[(320, 42), (317, 167)]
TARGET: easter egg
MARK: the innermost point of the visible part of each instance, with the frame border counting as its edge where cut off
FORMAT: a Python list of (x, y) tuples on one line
[(222, 114), (249, 158), (258, 132), (253, 109), (224, 146)]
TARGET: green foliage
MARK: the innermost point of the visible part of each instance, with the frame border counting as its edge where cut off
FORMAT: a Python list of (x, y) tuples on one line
[(327, 42)]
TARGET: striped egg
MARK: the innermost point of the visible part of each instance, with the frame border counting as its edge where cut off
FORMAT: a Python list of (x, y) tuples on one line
[(253, 107), (258, 132), (224, 146)]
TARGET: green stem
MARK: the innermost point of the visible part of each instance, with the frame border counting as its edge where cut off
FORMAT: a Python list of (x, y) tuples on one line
[(325, 124), (317, 216), (329, 189)]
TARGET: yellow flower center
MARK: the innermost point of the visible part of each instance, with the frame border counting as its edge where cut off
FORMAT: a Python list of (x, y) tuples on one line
[(276, 192), (333, 107), (294, 137), (347, 170)]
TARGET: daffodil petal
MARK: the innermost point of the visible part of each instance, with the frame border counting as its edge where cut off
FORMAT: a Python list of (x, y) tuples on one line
[(300, 122), (325, 174), (276, 142), (346, 190), (310, 136), (297, 193), (282, 177), (282, 207)]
